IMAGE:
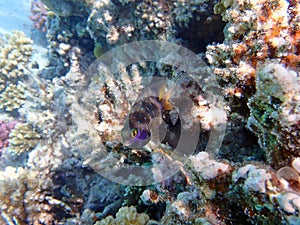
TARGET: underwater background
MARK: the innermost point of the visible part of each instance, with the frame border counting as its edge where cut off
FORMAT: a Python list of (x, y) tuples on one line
[(62, 111)]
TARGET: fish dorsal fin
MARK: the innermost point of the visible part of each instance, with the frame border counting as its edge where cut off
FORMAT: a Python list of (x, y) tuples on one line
[(164, 96)]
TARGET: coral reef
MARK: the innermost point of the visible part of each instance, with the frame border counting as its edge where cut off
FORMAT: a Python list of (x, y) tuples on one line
[(105, 24), (21, 197), (38, 15), (253, 193), (60, 129)]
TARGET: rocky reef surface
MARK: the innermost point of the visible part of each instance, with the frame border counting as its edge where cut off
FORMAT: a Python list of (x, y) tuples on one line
[(60, 124)]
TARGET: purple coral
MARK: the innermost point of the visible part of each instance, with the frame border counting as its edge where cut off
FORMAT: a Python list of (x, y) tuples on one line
[(38, 15), (5, 129)]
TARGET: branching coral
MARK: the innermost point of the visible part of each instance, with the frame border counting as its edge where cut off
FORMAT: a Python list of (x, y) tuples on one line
[(117, 90), (15, 54), (37, 108), (22, 138), (39, 15), (13, 97), (24, 199), (103, 110)]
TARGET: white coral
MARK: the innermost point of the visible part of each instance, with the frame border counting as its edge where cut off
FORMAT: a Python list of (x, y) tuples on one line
[(255, 178), (208, 168)]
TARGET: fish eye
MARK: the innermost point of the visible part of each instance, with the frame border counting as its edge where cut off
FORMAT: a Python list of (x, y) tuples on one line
[(134, 133)]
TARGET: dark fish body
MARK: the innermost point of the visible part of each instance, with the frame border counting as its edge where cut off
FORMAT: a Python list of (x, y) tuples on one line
[(144, 111), (144, 122)]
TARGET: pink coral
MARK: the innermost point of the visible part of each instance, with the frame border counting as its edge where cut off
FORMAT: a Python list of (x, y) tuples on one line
[(5, 129), (39, 15)]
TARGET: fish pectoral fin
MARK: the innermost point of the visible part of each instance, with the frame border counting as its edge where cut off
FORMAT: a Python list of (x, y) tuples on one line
[(155, 136), (155, 123), (158, 134), (162, 132)]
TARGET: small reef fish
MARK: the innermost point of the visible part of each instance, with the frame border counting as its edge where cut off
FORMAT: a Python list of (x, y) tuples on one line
[(145, 121)]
